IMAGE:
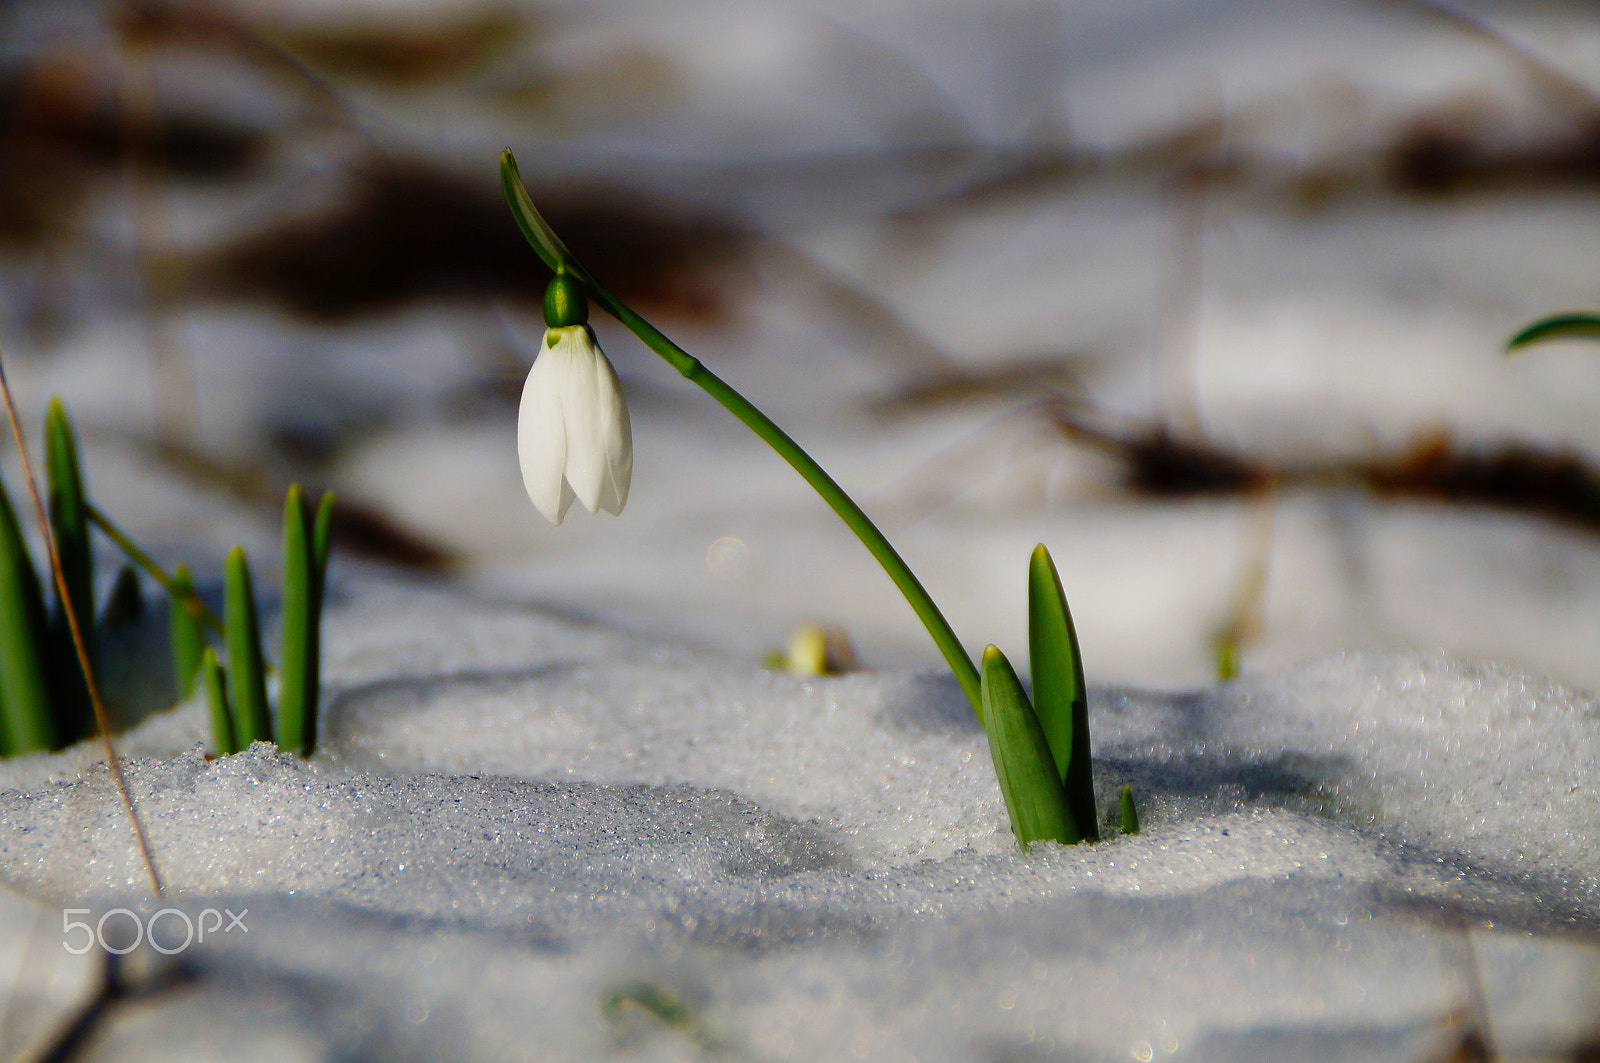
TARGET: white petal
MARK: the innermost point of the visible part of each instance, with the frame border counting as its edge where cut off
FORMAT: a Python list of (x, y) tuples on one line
[(566, 501), (542, 439), (599, 437), (618, 436)]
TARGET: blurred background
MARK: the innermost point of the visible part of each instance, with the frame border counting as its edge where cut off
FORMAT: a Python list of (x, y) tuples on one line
[(1210, 296)]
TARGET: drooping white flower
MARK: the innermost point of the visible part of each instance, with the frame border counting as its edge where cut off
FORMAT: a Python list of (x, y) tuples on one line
[(573, 435)]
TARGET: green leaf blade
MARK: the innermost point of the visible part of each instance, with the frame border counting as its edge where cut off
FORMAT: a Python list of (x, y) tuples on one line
[(297, 666), (69, 525), (1060, 697), (1126, 812), (186, 634), (322, 539), (69, 519), (213, 681), (26, 719), (247, 680), (1580, 325), (1028, 778), (321, 545)]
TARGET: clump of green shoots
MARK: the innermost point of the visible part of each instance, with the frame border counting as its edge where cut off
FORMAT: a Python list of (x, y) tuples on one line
[(45, 701), (44, 696), (1040, 746), (236, 694)]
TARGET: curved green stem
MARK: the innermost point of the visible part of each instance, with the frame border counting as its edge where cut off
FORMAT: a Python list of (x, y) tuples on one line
[(186, 594), (842, 504), (557, 257)]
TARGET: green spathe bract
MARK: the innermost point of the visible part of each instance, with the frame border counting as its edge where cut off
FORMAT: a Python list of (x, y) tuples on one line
[(1023, 763), (1060, 698)]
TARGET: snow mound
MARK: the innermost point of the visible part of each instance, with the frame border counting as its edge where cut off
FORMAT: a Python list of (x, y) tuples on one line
[(526, 830)]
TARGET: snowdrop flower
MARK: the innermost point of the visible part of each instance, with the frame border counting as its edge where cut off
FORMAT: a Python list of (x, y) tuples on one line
[(573, 436)]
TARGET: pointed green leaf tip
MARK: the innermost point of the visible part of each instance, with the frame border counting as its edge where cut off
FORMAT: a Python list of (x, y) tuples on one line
[(247, 679), (1575, 326), (69, 524), (69, 519), (125, 603), (305, 560), (1022, 762), (1126, 812), (1226, 657), (215, 683), (1060, 698)]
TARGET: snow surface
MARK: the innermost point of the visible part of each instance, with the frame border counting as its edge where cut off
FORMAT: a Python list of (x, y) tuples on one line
[(518, 818)]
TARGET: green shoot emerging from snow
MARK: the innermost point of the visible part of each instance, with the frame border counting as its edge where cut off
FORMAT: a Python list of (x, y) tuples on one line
[(45, 701), (236, 696), (1126, 812)]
